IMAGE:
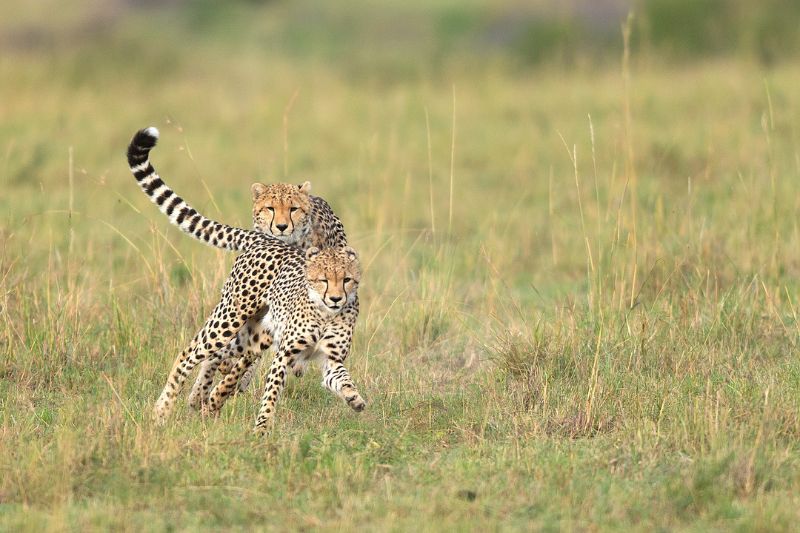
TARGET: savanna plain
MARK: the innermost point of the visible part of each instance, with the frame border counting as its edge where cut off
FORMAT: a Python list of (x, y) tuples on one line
[(579, 301)]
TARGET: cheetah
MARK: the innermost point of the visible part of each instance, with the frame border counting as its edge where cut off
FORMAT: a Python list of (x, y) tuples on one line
[(288, 212), (305, 307), (296, 217), (311, 312)]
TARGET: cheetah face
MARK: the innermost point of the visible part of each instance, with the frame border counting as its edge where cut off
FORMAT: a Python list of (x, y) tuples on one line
[(333, 275), (281, 210)]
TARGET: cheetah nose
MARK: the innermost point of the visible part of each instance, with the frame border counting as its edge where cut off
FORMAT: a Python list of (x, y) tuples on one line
[(281, 227), (335, 299)]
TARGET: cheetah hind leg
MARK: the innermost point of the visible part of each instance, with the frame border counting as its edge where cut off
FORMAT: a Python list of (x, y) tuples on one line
[(202, 385), (230, 383), (258, 340), (227, 357), (248, 375), (207, 342)]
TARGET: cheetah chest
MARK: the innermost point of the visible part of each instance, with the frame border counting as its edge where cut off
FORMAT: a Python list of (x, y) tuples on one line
[(283, 325)]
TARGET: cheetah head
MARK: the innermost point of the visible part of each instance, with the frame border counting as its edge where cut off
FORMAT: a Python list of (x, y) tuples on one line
[(282, 210), (333, 275)]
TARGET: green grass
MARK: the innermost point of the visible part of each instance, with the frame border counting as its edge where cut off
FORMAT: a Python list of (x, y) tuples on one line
[(600, 332)]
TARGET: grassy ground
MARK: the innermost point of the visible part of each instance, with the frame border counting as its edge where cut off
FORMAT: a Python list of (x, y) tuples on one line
[(579, 303)]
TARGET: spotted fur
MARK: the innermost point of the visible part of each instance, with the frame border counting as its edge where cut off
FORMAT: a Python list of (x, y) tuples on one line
[(296, 217), (304, 307), (324, 305), (285, 211)]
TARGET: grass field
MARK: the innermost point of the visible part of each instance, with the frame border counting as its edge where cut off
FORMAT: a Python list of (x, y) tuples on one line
[(579, 305)]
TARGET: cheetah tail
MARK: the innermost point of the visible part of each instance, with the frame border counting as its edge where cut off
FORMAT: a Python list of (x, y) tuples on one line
[(177, 210)]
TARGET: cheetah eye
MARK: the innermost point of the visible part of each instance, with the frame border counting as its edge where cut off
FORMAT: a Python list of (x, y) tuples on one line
[(293, 209), (271, 209), (348, 280)]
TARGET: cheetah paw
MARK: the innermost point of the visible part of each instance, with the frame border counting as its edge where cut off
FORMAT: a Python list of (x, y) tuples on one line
[(355, 401), (261, 430), (160, 414)]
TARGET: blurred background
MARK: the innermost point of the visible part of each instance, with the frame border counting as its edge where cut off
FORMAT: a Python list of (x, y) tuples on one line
[(416, 38), (578, 222)]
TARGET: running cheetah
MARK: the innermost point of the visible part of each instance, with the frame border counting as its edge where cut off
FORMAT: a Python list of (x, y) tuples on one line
[(285, 211), (305, 307)]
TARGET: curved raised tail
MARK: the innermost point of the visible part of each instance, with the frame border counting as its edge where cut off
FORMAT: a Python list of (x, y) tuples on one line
[(177, 210)]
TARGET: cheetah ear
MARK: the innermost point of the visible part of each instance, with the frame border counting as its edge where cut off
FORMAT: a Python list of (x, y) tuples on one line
[(351, 253), (257, 189), (312, 252), (305, 187)]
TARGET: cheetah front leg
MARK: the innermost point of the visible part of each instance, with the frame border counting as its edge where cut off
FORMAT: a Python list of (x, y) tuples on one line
[(260, 340), (276, 380), (335, 346), (226, 366), (336, 379), (218, 330)]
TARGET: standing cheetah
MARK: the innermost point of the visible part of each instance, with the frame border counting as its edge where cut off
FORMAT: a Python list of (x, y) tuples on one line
[(285, 211), (305, 307)]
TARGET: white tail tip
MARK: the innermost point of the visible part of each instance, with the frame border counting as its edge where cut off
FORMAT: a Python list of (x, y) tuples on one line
[(152, 131)]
